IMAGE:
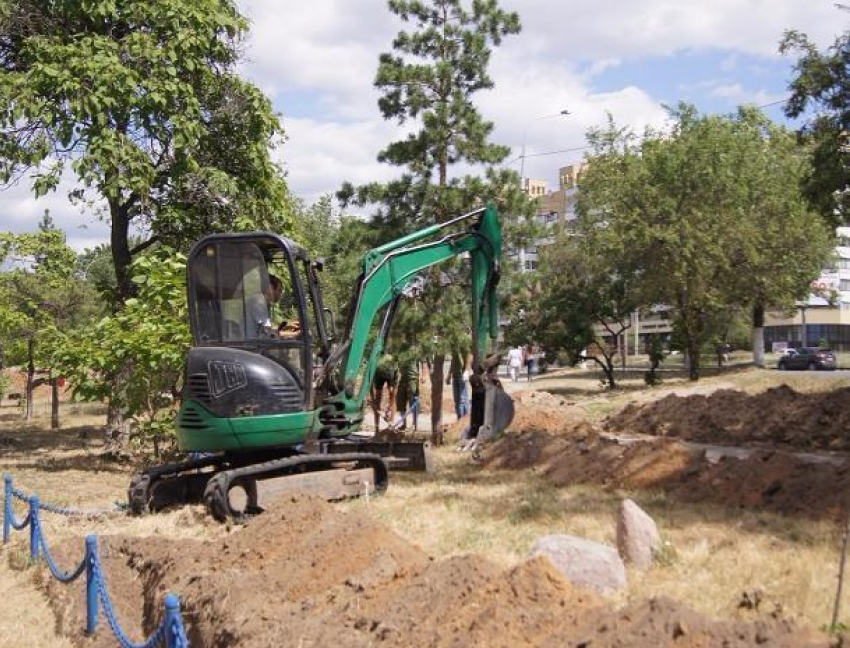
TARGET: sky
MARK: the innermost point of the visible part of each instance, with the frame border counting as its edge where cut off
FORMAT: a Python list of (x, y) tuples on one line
[(317, 60)]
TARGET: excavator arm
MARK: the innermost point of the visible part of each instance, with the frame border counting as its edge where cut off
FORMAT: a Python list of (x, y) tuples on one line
[(386, 272)]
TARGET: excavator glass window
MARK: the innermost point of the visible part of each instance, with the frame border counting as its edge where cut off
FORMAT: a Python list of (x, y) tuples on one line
[(244, 293)]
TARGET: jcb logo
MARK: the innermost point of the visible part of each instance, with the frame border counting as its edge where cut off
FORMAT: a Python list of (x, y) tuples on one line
[(226, 377)]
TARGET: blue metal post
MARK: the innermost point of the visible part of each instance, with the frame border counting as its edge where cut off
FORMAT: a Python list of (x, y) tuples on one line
[(34, 527), (92, 585), (7, 507), (175, 633)]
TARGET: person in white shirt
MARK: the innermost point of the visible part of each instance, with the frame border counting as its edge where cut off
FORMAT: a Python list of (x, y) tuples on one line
[(515, 363)]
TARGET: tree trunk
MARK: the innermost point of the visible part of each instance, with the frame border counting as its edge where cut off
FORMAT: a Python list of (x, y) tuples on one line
[(758, 335), (54, 404), (437, 399), (117, 424), (30, 389), (693, 359), (608, 369), (117, 428), (121, 257)]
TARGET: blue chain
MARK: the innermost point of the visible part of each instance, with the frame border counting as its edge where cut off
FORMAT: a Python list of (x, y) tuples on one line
[(64, 577), (23, 524), (18, 525), (109, 612), (20, 495), (69, 512)]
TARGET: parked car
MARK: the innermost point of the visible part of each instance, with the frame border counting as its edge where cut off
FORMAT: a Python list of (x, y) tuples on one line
[(808, 358)]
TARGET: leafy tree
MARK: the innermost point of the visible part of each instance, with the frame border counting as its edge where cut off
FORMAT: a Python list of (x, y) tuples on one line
[(697, 212), (430, 79), (150, 335), (820, 88), (141, 100), (95, 268), (586, 301), (770, 272), (40, 299)]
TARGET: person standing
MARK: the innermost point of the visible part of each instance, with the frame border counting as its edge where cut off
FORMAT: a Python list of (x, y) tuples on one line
[(386, 374), (532, 353), (515, 361), (407, 393), (458, 375)]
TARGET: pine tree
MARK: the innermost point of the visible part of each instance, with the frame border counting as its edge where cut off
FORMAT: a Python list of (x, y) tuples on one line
[(430, 78)]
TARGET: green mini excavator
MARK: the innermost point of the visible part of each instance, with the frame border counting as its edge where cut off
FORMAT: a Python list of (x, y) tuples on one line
[(271, 400)]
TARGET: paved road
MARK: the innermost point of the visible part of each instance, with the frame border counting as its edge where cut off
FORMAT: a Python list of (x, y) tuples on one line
[(835, 375)]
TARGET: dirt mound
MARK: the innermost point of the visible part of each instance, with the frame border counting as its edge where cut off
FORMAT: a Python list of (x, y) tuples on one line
[(781, 482), (539, 411), (536, 411), (778, 416), (307, 575)]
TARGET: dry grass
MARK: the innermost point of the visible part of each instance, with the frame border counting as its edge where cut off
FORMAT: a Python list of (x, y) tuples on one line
[(711, 556)]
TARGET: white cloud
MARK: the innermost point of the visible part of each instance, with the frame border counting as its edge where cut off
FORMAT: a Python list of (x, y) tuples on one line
[(631, 28), (740, 95), (329, 50), (322, 55), (20, 212), (320, 156)]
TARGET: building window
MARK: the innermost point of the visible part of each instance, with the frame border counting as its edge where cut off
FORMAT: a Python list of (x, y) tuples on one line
[(531, 264), (844, 284)]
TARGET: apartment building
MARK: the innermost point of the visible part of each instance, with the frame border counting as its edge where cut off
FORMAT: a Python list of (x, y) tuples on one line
[(553, 208), (825, 314), (557, 208)]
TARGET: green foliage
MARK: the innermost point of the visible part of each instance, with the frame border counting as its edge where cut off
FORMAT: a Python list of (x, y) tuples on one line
[(429, 80), (150, 334), (5, 383), (40, 298), (142, 101), (700, 215), (585, 300), (820, 87)]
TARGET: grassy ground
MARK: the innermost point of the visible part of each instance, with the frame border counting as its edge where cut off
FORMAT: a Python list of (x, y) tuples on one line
[(711, 556)]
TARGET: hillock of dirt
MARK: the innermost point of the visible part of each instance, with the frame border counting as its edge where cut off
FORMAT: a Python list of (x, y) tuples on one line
[(779, 416), (540, 411), (782, 482), (304, 574)]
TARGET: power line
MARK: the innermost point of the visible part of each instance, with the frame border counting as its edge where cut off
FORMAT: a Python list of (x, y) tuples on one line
[(584, 148)]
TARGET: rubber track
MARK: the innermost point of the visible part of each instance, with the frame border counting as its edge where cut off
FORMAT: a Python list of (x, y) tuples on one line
[(142, 485), (215, 494)]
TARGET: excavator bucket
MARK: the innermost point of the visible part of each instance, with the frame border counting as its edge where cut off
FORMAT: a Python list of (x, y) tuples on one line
[(498, 411)]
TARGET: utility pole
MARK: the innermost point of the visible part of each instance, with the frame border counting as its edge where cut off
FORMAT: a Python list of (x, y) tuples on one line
[(564, 113)]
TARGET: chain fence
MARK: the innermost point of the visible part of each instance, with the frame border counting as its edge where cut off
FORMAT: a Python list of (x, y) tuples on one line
[(170, 632)]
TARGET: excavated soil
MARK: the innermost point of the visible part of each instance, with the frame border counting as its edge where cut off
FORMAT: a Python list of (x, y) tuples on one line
[(776, 481), (540, 411), (534, 411), (779, 416), (307, 575)]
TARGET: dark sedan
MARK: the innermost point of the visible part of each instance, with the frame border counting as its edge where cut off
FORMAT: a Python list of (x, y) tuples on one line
[(808, 358)]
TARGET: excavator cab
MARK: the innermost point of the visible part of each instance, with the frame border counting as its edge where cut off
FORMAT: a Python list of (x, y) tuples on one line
[(259, 333)]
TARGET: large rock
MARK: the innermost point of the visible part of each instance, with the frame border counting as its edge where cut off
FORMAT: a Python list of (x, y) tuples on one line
[(637, 535), (583, 562)]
